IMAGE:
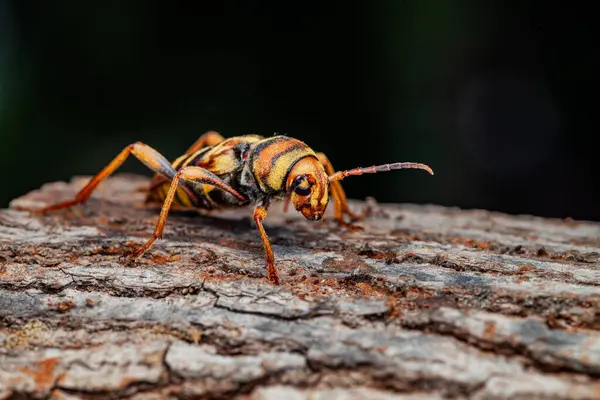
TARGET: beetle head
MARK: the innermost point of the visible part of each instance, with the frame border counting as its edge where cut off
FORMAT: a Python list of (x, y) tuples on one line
[(308, 188)]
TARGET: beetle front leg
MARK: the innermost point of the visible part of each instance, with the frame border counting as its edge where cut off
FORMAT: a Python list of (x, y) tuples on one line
[(340, 201), (260, 213)]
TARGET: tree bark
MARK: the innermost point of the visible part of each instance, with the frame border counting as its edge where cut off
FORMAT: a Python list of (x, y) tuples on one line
[(425, 302)]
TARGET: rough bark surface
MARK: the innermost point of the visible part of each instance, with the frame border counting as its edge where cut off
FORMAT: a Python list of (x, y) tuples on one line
[(425, 302)]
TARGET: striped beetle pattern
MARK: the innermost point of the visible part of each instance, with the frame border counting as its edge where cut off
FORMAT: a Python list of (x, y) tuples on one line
[(217, 173)]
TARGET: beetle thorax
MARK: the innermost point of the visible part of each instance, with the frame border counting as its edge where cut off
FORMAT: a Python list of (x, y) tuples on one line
[(272, 159)]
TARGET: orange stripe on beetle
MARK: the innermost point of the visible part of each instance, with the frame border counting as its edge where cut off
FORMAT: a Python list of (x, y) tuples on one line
[(274, 158)]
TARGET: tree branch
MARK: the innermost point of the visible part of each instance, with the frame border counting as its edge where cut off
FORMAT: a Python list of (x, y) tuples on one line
[(426, 301)]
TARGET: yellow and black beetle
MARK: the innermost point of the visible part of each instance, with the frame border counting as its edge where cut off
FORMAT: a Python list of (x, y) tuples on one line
[(217, 173)]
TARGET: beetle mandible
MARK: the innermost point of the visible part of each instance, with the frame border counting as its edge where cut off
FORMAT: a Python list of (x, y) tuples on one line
[(216, 173)]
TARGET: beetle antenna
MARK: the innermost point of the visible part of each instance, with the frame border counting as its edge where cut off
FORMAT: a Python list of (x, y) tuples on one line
[(338, 176)]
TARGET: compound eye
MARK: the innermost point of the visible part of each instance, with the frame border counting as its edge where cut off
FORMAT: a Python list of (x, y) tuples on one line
[(302, 191)]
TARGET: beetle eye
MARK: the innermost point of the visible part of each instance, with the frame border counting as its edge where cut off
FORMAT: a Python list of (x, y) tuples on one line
[(299, 187), (302, 191)]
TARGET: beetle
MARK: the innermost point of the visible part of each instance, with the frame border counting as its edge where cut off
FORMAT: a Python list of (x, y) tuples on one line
[(217, 173)]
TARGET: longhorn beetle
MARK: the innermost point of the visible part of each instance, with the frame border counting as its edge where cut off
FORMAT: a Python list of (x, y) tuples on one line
[(216, 173)]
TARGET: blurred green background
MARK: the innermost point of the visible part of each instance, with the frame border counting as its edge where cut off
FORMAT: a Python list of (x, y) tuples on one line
[(499, 97)]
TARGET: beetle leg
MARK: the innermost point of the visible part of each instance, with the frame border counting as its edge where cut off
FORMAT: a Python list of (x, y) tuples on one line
[(210, 138), (195, 177), (340, 201), (146, 154), (260, 213)]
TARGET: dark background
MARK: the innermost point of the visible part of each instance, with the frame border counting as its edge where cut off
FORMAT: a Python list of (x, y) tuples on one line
[(499, 97)]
